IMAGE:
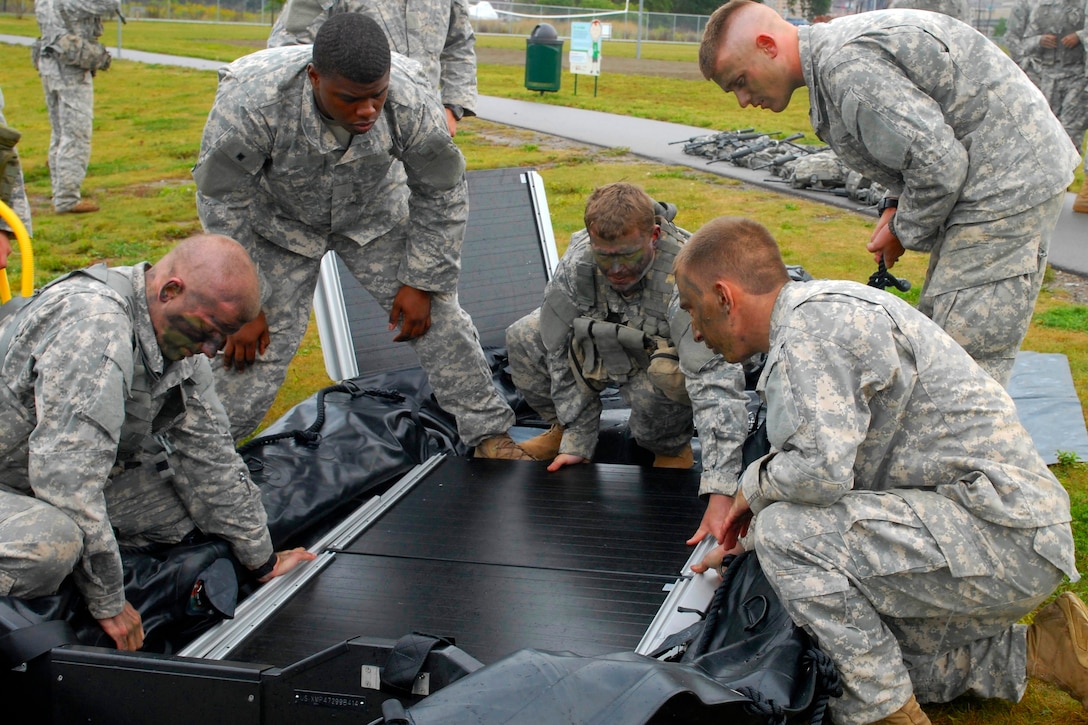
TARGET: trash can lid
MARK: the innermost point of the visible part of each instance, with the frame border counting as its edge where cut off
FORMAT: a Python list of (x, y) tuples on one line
[(544, 31)]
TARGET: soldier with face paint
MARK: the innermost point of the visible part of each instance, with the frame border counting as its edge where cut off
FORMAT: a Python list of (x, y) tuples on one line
[(343, 146), (610, 317), (113, 433)]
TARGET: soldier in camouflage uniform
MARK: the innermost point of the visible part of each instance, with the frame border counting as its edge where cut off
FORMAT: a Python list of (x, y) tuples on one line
[(435, 33), (927, 107), (67, 56), (1047, 38), (606, 320), (113, 430), (903, 514), (292, 169), (12, 188)]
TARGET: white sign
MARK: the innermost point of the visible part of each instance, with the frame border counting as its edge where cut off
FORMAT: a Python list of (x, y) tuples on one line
[(585, 48)]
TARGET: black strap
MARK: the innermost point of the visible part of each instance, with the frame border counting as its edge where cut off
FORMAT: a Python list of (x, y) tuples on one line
[(407, 658), (26, 643)]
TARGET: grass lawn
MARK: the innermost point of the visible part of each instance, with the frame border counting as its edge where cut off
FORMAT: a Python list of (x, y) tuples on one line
[(148, 121)]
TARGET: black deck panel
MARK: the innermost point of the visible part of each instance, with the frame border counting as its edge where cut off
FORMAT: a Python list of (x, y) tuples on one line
[(588, 517), (489, 611), (499, 556)]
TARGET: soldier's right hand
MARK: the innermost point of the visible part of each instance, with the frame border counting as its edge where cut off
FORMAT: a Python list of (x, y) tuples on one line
[(565, 459), (126, 629), (242, 347)]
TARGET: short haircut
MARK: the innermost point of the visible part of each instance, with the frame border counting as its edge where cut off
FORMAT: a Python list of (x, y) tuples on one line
[(353, 47), (714, 33), (616, 209), (737, 249)]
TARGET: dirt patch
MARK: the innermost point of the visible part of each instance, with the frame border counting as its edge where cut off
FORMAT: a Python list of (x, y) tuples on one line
[(1073, 285)]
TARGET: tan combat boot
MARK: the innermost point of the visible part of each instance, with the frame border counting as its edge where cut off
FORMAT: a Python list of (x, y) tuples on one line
[(1058, 646), (1080, 204), (83, 206), (910, 714), (683, 459), (545, 446), (501, 446)]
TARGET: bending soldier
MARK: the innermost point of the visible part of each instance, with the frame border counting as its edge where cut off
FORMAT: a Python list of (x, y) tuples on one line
[(114, 433), (341, 146), (903, 515)]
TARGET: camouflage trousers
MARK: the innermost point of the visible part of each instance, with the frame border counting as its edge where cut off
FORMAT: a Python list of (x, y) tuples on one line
[(900, 610), (69, 98), (39, 546), (449, 352), (659, 424), (990, 320)]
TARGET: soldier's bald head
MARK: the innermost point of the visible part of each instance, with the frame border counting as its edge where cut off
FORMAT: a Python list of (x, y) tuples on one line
[(216, 270)]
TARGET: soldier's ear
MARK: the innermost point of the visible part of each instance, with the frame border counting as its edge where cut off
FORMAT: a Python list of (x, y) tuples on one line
[(172, 288)]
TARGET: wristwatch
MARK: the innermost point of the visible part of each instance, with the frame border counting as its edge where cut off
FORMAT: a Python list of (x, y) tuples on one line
[(264, 569), (457, 111), (887, 202)]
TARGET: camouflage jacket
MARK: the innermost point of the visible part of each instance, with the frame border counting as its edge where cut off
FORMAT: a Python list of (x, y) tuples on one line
[(271, 169), (865, 393), (435, 33), (930, 109), (57, 18), (1030, 20), (74, 413), (716, 388)]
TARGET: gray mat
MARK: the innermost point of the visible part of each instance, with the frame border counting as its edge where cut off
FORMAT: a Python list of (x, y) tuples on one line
[(1042, 387)]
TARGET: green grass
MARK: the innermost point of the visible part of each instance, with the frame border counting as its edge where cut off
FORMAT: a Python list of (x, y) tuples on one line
[(147, 133)]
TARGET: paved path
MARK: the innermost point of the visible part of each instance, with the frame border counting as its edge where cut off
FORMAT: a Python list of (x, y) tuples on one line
[(651, 140)]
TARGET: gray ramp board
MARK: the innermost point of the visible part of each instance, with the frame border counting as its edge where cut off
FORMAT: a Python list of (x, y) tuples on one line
[(506, 260), (1047, 403)]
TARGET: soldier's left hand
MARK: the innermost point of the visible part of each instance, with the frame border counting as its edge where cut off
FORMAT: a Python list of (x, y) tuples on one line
[(1071, 40), (411, 312), (883, 243), (5, 248)]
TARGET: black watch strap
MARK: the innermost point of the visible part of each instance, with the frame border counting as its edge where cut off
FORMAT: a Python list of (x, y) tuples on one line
[(888, 202), (457, 111), (265, 569)]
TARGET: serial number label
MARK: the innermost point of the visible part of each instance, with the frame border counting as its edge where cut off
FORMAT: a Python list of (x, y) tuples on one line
[(329, 699)]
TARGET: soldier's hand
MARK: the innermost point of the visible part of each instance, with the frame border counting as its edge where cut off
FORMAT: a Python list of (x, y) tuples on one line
[(126, 629), (411, 312), (242, 347), (451, 122), (5, 248), (714, 557), (1048, 41), (713, 523), (1071, 40), (883, 243), (286, 561), (565, 459)]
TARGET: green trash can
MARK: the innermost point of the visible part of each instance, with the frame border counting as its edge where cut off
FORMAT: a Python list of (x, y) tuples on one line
[(543, 59)]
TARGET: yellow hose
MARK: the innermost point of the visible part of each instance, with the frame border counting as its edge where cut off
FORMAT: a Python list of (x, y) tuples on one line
[(26, 254)]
